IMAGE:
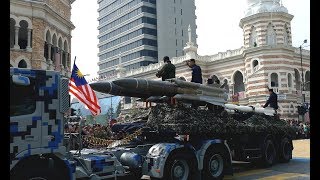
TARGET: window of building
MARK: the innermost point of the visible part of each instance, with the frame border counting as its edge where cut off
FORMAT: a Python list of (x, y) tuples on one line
[(307, 81), (289, 80), (176, 53), (176, 42), (238, 82), (23, 35), (274, 80), (12, 32), (271, 35), (182, 33), (297, 79), (181, 11), (22, 64), (22, 98), (255, 65), (253, 38), (175, 20)]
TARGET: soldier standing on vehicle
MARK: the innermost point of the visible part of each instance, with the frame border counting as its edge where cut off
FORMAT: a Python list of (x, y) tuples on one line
[(272, 101), (196, 71), (168, 71)]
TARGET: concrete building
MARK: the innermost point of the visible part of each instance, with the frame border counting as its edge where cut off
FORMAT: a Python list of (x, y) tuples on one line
[(40, 34), (266, 59), (141, 32)]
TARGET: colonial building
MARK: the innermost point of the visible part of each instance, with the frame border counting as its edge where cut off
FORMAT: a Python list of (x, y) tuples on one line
[(266, 59), (40, 34)]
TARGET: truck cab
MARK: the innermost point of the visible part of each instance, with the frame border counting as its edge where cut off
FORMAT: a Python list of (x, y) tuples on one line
[(38, 101)]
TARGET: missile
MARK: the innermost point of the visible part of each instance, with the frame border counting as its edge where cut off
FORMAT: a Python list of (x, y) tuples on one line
[(161, 91), (266, 111), (208, 99)]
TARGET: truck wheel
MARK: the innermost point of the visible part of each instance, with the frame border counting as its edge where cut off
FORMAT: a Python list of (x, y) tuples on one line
[(268, 154), (177, 168), (38, 174), (214, 163), (285, 151)]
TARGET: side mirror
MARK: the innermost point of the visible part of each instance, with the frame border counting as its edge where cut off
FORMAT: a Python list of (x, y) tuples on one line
[(20, 80)]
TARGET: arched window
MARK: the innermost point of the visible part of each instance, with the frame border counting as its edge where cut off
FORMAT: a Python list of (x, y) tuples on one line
[(46, 43), (286, 35), (54, 48), (253, 38), (64, 55), (238, 82), (22, 64), (12, 32), (297, 79), (274, 80), (307, 81), (271, 35), (23, 34), (289, 80), (255, 65)]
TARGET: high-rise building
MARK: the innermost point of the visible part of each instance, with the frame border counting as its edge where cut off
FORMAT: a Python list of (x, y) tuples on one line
[(137, 33)]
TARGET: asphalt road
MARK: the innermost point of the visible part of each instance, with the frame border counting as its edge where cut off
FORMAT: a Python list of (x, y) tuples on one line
[(297, 169)]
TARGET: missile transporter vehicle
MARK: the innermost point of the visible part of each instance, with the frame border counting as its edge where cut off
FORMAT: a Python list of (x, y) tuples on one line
[(155, 147)]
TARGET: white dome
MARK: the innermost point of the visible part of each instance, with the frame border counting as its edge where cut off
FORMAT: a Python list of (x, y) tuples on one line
[(282, 9), (260, 6), (262, 9)]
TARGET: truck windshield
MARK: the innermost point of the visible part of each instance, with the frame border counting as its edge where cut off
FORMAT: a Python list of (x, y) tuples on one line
[(22, 98)]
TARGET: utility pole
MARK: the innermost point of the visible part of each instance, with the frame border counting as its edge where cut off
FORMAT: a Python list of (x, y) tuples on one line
[(302, 77)]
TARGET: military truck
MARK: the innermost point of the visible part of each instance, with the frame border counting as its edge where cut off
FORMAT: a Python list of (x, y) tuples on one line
[(38, 101)]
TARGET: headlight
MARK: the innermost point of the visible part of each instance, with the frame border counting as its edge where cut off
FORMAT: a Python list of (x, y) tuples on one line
[(156, 151)]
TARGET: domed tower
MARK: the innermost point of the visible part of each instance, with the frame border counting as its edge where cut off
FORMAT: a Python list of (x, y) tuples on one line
[(266, 22), (268, 52)]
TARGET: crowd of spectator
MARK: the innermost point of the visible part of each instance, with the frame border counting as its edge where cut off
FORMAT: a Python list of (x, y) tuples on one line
[(302, 128)]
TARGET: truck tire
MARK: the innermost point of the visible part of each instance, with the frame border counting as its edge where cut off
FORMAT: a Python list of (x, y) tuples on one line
[(178, 167), (38, 174), (214, 163), (285, 150), (268, 154)]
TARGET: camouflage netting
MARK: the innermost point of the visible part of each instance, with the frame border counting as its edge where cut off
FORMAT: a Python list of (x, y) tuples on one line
[(186, 120)]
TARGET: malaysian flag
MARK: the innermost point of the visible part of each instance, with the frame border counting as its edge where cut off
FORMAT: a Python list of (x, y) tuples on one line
[(79, 87)]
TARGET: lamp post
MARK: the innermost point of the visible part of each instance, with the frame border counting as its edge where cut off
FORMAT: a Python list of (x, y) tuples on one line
[(302, 89)]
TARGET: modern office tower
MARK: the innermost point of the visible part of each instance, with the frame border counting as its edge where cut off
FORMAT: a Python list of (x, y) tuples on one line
[(137, 33)]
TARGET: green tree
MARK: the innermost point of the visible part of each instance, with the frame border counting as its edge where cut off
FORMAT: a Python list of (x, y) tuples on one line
[(110, 113), (118, 110)]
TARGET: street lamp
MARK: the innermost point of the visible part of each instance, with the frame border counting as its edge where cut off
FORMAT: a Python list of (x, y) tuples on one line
[(302, 89)]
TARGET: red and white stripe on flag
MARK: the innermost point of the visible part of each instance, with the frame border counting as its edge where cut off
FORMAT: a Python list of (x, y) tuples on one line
[(86, 95)]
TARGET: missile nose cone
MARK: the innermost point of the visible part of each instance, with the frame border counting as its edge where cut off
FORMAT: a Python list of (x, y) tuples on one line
[(103, 87)]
